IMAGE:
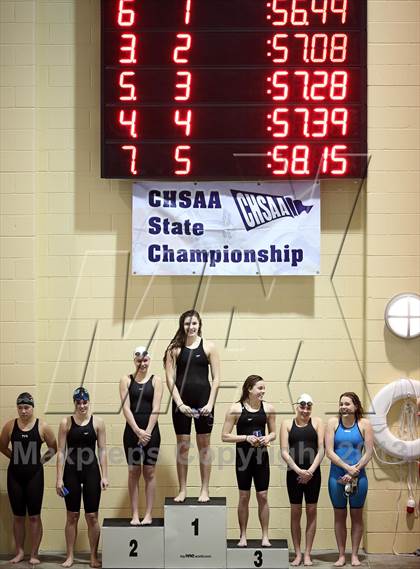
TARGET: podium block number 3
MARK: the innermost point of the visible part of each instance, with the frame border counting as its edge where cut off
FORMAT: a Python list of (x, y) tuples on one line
[(195, 526), (258, 559), (134, 545)]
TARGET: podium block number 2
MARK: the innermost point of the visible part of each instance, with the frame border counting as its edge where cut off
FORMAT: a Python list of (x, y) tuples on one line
[(195, 526), (134, 545), (258, 559)]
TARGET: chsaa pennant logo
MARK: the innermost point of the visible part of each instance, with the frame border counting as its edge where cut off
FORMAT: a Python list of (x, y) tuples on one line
[(258, 209)]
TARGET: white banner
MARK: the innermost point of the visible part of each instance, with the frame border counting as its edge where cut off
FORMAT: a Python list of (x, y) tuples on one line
[(226, 228)]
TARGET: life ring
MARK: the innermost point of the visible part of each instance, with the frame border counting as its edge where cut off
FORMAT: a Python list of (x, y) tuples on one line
[(400, 389)]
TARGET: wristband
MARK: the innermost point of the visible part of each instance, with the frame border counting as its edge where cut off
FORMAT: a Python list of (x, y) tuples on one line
[(179, 406)]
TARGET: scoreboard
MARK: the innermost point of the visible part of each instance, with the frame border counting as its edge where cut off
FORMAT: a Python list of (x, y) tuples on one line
[(233, 89)]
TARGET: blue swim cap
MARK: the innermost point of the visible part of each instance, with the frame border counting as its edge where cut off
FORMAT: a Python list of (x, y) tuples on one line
[(81, 394)]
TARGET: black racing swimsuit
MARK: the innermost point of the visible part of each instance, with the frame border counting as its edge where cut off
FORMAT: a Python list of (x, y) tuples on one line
[(81, 471), (252, 463), (303, 447), (192, 382), (25, 473), (141, 405)]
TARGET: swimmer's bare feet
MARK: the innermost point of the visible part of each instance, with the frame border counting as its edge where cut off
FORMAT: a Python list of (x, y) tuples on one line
[(94, 562), (265, 542), (204, 496), (18, 557), (297, 560), (68, 562), (307, 561), (33, 560), (181, 496), (355, 561), (341, 561), (242, 541), (135, 521), (146, 521)]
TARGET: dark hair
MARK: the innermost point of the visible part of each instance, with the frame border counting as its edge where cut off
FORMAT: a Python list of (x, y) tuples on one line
[(359, 412), (249, 383), (25, 398), (178, 341)]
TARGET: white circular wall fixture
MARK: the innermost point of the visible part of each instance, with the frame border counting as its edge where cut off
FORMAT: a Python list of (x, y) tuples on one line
[(402, 315), (381, 404)]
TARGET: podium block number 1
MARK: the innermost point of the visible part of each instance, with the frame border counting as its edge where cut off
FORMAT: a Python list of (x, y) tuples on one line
[(195, 526), (195, 534)]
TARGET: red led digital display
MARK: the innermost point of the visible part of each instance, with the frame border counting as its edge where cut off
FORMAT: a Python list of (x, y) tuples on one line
[(233, 89), (290, 47), (247, 122), (222, 86)]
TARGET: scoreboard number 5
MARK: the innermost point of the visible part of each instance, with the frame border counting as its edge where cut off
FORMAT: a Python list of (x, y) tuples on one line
[(179, 151)]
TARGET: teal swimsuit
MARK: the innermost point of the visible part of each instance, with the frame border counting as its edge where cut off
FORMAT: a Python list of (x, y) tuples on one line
[(348, 445)]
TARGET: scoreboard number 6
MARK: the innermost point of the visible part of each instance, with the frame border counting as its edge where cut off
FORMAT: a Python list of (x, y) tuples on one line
[(126, 15)]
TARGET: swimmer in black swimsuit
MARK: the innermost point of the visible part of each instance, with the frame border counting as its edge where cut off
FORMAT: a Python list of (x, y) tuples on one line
[(25, 473), (79, 473), (302, 448), (186, 360), (141, 397), (251, 415)]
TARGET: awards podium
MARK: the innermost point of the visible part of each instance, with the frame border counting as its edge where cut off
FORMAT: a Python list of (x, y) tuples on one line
[(195, 533), (125, 546), (192, 535), (274, 557)]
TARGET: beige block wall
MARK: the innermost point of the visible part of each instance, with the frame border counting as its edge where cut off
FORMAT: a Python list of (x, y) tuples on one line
[(18, 242), (65, 239)]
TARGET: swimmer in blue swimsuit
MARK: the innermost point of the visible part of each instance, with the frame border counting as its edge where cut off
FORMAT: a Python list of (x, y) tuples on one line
[(349, 446)]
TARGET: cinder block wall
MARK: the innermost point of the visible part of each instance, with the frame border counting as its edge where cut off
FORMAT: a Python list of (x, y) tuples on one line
[(65, 240), (392, 239), (18, 241)]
